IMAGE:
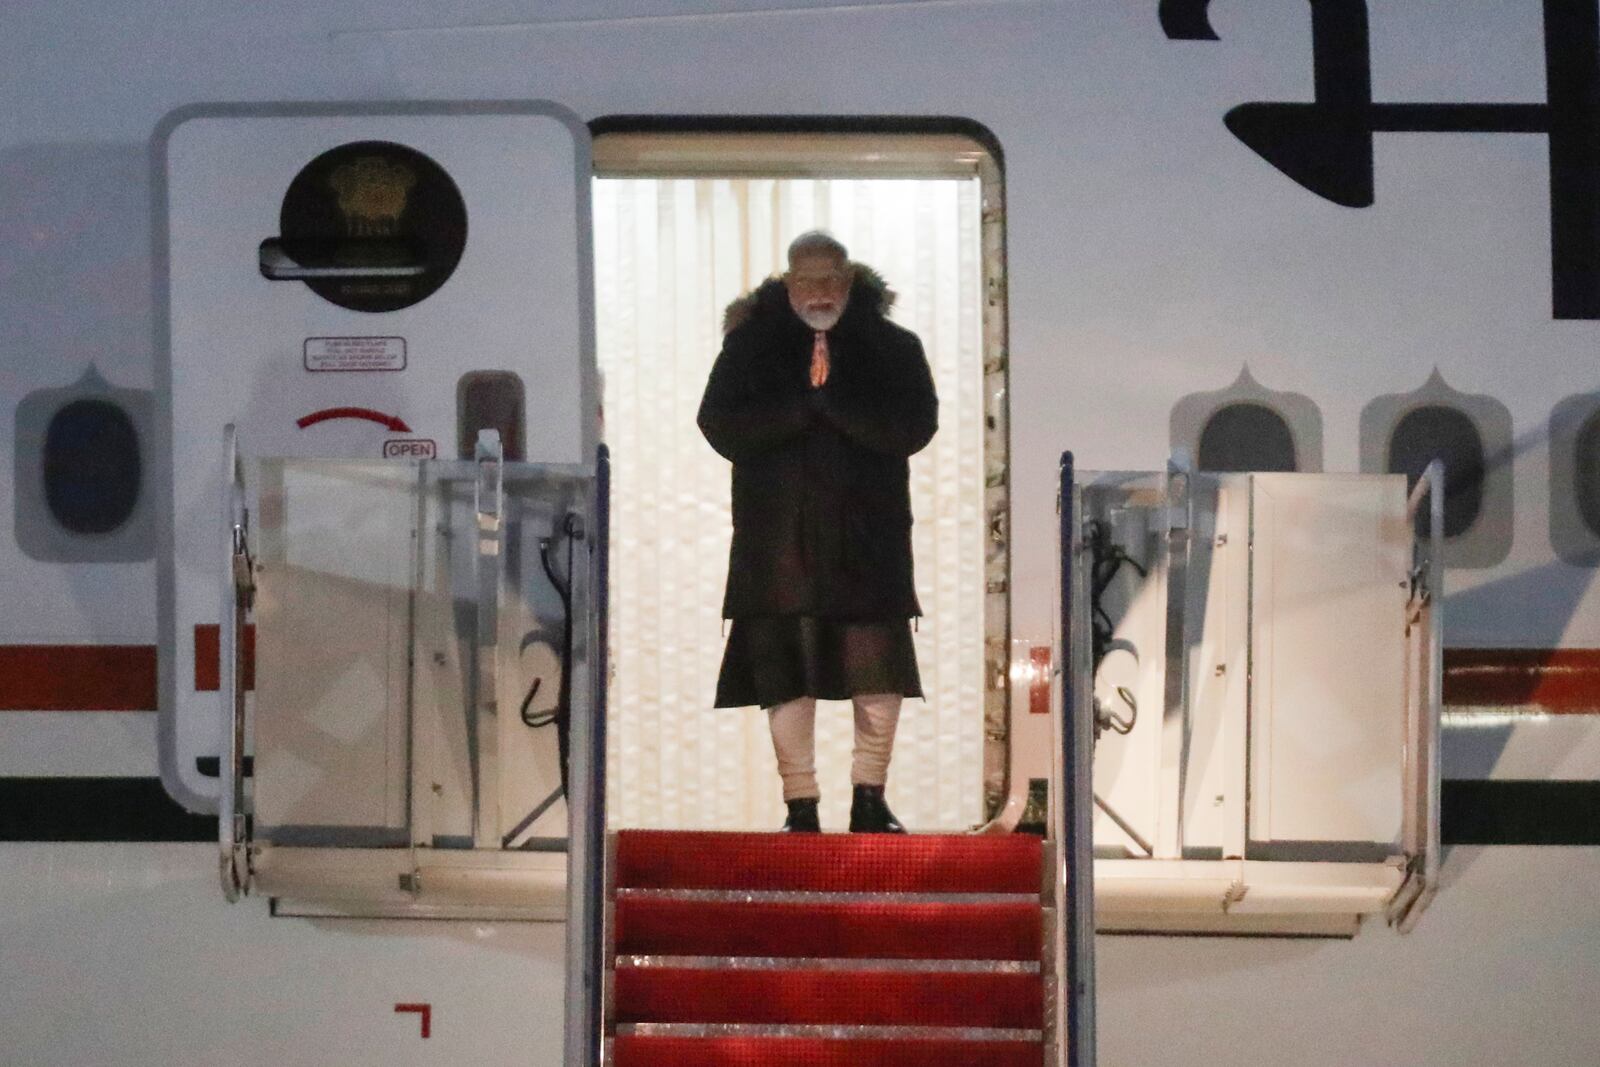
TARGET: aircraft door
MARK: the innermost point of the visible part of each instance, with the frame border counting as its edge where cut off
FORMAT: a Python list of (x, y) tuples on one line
[(355, 283)]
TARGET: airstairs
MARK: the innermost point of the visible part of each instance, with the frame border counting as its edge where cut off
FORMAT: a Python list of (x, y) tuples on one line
[(390, 778), (862, 950), (682, 947)]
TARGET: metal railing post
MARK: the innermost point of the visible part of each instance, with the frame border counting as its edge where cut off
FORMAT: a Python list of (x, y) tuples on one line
[(1072, 815), (488, 504), (586, 810), (237, 589), (1175, 719), (1423, 840)]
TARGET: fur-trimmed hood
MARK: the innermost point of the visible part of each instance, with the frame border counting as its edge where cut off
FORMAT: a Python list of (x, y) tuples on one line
[(869, 295)]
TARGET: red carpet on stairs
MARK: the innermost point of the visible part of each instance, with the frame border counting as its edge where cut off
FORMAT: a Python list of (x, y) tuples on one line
[(655, 926), (799, 950), (813, 1052), (828, 863), (862, 998)]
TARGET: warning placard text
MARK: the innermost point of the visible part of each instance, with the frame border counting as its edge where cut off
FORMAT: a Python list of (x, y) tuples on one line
[(355, 353)]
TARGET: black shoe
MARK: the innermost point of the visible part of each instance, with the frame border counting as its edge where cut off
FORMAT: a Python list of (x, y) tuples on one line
[(802, 817), (870, 814)]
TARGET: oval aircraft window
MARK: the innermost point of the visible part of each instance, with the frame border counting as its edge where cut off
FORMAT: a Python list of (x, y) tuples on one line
[(1246, 437), (1586, 472), (92, 468), (1436, 432), (376, 226)]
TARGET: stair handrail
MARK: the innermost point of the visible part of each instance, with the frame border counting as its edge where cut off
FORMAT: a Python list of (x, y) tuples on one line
[(583, 1040), (238, 594), (488, 505), (1421, 882), (1072, 814)]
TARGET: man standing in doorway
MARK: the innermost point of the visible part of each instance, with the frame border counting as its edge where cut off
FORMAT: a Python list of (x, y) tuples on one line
[(818, 400)]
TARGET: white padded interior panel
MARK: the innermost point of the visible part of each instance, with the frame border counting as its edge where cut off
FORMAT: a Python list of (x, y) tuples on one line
[(669, 256)]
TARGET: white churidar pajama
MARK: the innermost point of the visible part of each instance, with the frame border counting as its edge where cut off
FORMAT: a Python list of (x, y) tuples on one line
[(794, 740)]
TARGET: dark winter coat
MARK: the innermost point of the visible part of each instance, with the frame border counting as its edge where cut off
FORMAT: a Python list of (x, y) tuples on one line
[(821, 488)]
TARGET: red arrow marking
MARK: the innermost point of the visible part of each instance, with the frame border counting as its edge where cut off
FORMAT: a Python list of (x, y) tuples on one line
[(394, 422), (424, 1010)]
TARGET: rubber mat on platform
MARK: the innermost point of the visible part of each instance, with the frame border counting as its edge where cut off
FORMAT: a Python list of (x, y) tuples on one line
[(871, 998), (856, 930), (837, 863), (637, 1051)]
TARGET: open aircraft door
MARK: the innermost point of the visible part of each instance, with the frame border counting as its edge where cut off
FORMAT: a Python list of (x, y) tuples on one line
[(384, 626), (378, 330)]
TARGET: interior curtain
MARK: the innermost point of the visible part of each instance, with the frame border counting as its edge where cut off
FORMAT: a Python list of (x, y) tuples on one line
[(670, 255)]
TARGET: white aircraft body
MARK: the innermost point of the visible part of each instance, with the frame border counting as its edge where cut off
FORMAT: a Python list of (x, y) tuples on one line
[(1334, 216)]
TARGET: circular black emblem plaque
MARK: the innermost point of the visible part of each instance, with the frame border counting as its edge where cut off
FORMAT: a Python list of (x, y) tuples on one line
[(381, 224)]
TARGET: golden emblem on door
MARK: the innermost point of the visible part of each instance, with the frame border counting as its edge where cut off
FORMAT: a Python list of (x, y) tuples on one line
[(372, 195)]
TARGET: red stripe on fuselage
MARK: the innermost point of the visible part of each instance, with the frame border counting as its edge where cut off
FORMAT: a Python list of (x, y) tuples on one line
[(104, 677), (77, 678), (208, 658), (1560, 680), (123, 677)]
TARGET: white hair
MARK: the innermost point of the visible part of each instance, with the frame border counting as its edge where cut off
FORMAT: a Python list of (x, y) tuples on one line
[(817, 243)]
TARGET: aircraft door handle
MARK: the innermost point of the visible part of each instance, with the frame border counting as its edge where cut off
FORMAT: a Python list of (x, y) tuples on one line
[(381, 258)]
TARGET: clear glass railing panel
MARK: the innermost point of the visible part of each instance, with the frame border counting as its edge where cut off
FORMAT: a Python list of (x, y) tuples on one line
[(410, 661), (1124, 513)]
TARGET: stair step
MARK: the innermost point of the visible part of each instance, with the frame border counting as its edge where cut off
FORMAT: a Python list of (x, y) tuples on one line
[(836, 863), (650, 1051), (813, 963), (858, 930), (871, 998)]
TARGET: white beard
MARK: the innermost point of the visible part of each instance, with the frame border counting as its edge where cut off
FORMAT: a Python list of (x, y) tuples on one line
[(821, 321)]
